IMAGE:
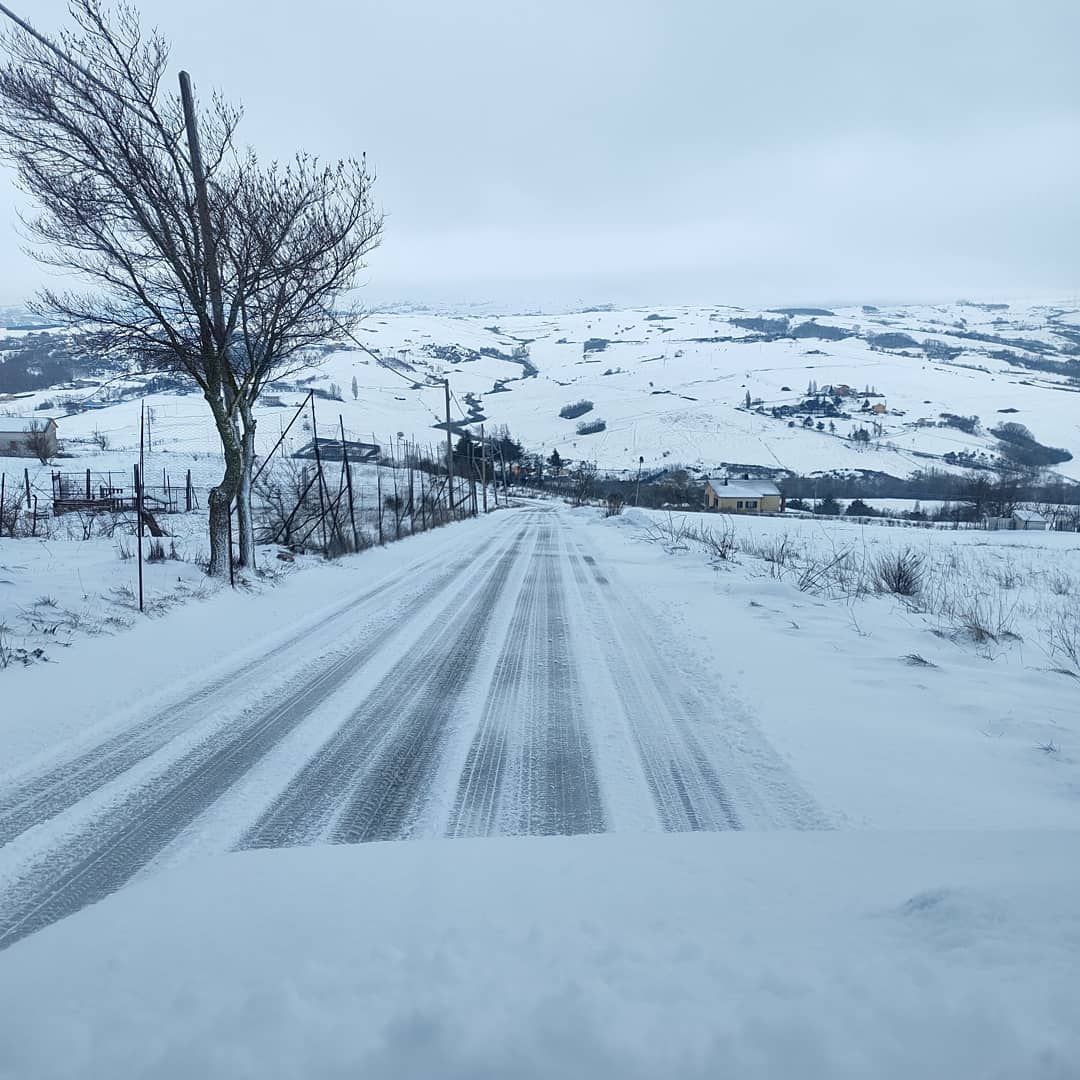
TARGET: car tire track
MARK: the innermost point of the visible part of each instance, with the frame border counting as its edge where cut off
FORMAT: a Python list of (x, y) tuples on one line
[(43, 795), (365, 780), (111, 848), (530, 769)]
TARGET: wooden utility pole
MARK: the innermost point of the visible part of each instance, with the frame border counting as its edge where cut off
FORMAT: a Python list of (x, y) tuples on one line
[(449, 451), (210, 263), (483, 466)]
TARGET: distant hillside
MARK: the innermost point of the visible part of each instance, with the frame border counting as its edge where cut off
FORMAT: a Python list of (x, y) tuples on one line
[(890, 390)]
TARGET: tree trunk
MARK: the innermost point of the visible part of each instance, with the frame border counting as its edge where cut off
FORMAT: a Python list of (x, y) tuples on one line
[(245, 522), (221, 497)]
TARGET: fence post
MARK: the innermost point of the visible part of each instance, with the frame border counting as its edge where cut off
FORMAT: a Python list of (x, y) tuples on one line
[(322, 484), (87, 485), (26, 481), (348, 482), (187, 491)]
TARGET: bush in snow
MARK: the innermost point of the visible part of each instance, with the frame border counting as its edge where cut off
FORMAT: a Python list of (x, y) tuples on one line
[(576, 409), (591, 427), (899, 572)]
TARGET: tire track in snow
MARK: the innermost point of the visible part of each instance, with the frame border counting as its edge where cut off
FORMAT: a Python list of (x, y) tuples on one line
[(685, 786), (109, 850), (530, 768), (704, 760), (45, 794), (368, 779)]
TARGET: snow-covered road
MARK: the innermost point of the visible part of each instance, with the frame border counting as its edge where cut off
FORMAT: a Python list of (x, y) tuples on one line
[(509, 683)]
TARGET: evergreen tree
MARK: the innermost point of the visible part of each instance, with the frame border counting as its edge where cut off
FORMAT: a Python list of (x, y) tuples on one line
[(555, 461)]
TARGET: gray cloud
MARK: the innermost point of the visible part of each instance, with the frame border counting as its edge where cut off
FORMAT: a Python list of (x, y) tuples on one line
[(696, 151)]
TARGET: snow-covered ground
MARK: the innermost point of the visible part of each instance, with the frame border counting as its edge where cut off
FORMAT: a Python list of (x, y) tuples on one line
[(670, 385), (865, 904), (826, 956)]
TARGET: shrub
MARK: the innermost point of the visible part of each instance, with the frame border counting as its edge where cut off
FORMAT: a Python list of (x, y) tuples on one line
[(576, 409), (899, 572), (595, 344), (614, 505), (591, 427), (968, 424)]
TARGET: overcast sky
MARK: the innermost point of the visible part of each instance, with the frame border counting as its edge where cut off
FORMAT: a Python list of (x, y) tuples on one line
[(696, 151)]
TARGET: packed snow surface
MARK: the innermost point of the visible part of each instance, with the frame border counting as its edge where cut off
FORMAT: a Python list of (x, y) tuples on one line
[(817, 955), (544, 704)]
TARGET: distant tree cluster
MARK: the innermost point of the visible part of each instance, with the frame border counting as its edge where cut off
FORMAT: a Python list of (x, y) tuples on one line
[(576, 409), (591, 427), (968, 424), (1019, 447)]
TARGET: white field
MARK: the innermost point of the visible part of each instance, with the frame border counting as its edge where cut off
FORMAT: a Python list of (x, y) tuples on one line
[(675, 394), (932, 931)]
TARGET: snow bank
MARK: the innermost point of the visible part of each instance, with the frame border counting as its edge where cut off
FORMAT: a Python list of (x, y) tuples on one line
[(768, 955)]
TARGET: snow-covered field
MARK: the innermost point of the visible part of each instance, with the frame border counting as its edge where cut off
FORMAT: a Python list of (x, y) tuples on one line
[(889, 775), (930, 929), (671, 384)]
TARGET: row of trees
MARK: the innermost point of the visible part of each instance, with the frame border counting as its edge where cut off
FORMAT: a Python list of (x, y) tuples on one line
[(199, 259)]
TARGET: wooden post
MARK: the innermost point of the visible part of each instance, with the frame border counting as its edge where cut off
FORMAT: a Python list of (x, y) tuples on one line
[(187, 492), (3, 486), (139, 500), (210, 263), (483, 466), (348, 483), (449, 451), (87, 485), (26, 481), (318, 466)]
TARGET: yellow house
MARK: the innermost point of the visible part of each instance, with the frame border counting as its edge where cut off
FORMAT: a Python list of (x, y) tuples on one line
[(743, 496)]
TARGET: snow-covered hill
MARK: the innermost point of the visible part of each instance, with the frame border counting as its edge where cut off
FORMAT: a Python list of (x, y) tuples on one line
[(671, 385)]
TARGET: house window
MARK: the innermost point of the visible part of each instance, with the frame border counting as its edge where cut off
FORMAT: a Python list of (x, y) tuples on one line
[(751, 504), (738, 505)]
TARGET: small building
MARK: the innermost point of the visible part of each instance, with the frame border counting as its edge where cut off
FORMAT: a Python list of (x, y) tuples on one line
[(334, 450), (744, 496), (28, 436), (879, 408), (1020, 519)]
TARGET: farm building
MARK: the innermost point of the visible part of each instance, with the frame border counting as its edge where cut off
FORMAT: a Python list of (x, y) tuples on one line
[(331, 450), (1019, 519), (27, 436), (743, 496)]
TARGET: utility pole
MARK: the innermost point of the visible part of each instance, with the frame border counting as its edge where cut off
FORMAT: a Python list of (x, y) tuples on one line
[(449, 451), (483, 466), (213, 275), (637, 489)]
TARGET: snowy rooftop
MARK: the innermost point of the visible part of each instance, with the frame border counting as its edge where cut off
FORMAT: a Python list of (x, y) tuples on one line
[(743, 489), (1028, 515)]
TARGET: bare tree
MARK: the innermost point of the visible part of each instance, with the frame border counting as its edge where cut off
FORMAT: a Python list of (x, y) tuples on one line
[(38, 441), (231, 300)]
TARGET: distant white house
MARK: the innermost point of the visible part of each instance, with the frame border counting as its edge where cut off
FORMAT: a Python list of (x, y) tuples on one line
[(1019, 519), (18, 437)]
